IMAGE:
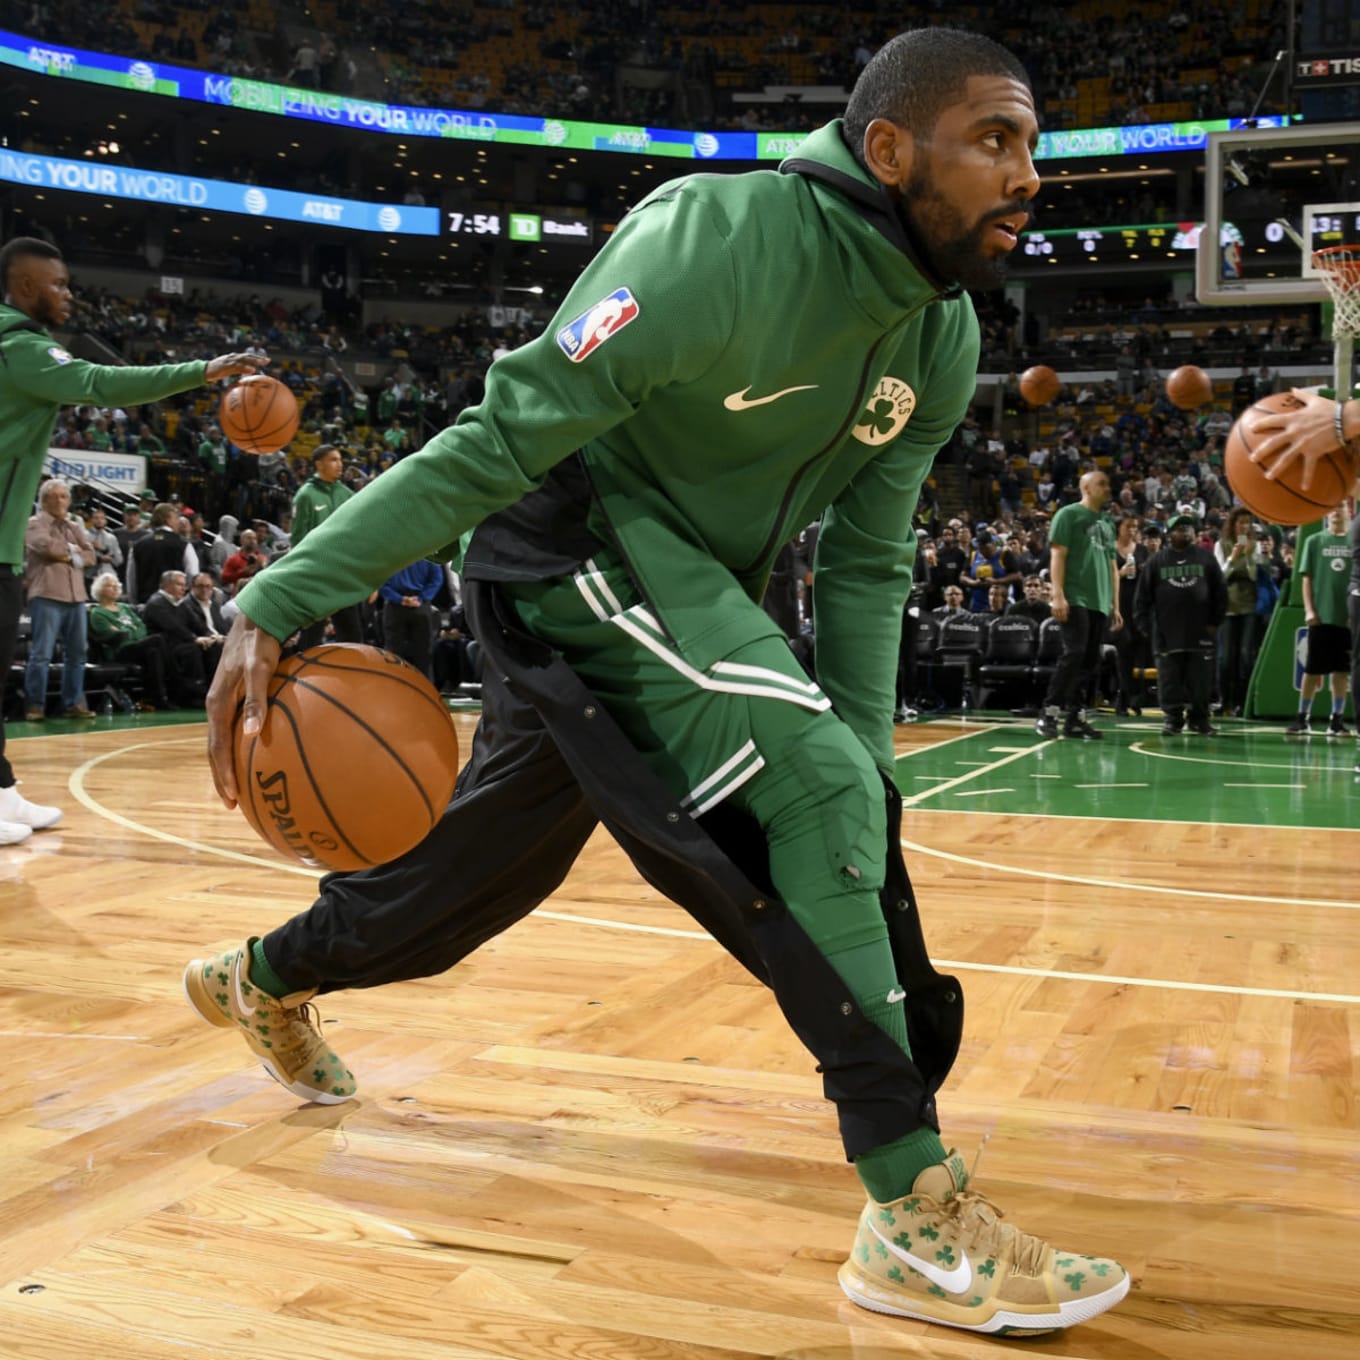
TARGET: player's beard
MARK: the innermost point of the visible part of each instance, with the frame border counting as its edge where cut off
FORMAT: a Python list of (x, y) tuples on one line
[(953, 250)]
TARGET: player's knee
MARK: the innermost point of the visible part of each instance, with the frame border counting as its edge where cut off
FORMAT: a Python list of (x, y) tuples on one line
[(844, 811)]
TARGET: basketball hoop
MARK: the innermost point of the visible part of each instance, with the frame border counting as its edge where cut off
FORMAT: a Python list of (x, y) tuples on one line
[(1339, 269)]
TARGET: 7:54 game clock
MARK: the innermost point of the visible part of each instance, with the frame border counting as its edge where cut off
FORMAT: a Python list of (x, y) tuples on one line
[(458, 223)]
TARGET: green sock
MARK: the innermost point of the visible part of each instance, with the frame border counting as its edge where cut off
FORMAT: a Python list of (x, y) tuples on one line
[(889, 1172), (263, 976)]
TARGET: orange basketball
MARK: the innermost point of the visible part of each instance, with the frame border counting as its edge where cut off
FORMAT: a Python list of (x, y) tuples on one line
[(1284, 501), (355, 762), (1039, 385), (259, 414), (1189, 387)]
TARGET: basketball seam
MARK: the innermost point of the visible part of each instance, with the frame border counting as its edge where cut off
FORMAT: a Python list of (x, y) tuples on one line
[(433, 700), (277, 703), (296, 679)]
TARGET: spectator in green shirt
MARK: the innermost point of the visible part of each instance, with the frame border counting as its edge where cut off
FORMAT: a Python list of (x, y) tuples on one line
[(1084, 571), (97, 435)]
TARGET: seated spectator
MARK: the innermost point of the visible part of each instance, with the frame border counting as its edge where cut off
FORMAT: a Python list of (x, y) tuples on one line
[(953, 604), (1034, 605), (194, 651), (998, 599), (205, 601), (118, 633)]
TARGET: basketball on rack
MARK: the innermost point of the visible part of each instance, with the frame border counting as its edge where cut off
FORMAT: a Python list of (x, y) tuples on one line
[(1039, 385), (1284, 500), (259, 414), (355, 762), (1189, 387)]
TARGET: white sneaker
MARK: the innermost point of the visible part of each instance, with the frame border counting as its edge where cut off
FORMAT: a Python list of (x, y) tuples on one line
[(11, 833), (14, 807)]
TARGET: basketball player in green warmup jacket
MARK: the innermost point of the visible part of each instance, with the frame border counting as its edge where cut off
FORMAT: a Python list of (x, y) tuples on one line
[(747, 353), (37, 378)]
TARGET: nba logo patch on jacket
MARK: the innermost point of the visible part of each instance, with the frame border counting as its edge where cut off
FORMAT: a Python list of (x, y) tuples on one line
[(581, 338)]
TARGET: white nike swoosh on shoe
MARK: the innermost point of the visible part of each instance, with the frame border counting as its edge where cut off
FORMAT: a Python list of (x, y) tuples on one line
[(951, 1281), (738, 401)]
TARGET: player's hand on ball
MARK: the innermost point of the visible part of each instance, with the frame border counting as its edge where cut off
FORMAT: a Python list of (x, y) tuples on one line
[(234, 365), (1307, 432), (249, 659)]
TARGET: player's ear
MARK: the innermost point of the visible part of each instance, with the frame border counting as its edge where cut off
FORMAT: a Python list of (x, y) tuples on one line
[(888, 152)]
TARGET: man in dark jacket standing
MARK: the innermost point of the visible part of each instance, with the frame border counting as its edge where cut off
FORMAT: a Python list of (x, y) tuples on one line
[(1180, 602)]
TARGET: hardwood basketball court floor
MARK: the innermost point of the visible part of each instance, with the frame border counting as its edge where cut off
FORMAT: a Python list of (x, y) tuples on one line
[(597, 1139)]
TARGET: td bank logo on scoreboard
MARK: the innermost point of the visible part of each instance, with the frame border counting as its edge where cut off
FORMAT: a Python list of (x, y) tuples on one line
[(531, 227)]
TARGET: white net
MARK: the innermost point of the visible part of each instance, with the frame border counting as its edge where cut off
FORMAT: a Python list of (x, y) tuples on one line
[(1339, 268)]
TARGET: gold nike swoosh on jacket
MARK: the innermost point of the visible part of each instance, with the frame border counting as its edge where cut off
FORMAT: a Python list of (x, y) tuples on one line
[(738, 401)]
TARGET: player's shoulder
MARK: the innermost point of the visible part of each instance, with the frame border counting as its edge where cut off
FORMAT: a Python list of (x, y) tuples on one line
[(723, 198)]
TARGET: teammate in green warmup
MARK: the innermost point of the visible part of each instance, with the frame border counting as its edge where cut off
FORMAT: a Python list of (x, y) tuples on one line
[(747, 353)]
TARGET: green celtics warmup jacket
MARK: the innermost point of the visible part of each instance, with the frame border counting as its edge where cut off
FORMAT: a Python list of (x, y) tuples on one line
[(314, 503), (748, 352), (37, 378)]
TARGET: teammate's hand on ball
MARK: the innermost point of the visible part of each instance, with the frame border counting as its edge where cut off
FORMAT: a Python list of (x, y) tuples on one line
[(232, 365), (1308, 432), (249, 659)]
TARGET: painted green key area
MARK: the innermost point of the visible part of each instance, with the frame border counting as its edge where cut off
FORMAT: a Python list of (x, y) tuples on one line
[(1250, 775)]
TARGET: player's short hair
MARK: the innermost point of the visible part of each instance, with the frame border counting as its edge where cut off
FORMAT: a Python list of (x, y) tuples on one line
[(915, 75), (322, 450), (23, 248)]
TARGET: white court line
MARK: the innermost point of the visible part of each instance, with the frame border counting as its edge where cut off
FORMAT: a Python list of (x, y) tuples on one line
[(1265, 786), (1110, 786), (938, 745), (76, 783), (1011, 970), (915, 798), (1126, 887), (980, 793), (1143, 821), (1244, 764)]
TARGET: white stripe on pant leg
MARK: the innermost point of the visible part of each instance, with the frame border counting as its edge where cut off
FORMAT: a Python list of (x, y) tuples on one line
[(730, 787), (585, 585), (724, 769), (682, 667), (598, 580), (763, 673), (588, 585)]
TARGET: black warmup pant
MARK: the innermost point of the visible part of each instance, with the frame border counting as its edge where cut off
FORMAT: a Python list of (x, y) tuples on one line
[(349, 627), (409, 633), (1131, 652), (906, 657), (1353, 612), (11, 606), (547, 763), (1080, 660), (1185, 682), (152, 654)]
